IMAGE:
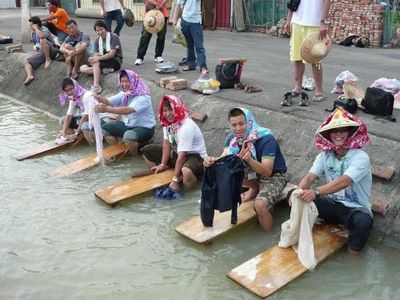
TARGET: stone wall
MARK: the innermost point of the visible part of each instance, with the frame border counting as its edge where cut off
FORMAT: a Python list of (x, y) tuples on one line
[(360, 17)]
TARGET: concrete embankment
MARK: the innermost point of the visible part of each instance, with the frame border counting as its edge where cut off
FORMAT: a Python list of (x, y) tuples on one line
[(295, 130)]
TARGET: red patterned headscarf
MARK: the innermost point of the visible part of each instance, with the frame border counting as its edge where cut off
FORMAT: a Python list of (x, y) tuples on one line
[(338, 119), (178, 107)]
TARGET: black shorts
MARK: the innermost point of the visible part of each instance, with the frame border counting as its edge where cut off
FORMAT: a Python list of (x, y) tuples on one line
[(193, 161)]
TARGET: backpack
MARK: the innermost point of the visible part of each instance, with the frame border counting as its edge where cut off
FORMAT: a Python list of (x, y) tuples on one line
[(348, 104), (227, 74), (379, 102)]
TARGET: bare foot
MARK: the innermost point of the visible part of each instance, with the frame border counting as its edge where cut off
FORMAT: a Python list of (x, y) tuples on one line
[(249, 195), (28, 80), (47, 64)]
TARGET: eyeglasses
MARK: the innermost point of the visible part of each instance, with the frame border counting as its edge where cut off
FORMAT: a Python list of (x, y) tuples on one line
[(68, 90)]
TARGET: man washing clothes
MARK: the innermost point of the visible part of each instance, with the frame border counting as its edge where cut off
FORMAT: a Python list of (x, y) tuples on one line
[(345, 197), (266, 165)]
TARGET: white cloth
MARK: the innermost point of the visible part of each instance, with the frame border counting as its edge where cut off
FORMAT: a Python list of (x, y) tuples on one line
[(298, 229), (108, 44), (188, 138), (110, 5), (309, 13), (94, 122)]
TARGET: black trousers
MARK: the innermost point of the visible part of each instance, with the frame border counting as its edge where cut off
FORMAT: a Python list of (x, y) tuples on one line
[(145, 40)]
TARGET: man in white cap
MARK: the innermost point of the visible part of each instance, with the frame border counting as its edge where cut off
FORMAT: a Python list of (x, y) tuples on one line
[(345, 197), (311, 16)]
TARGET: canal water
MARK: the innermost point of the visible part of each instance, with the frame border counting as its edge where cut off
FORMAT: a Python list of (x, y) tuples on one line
[(58, 241)]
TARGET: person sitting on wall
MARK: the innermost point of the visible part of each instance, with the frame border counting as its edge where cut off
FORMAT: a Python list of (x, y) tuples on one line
[(345, 197), (183, 145), (74, 48), (76, 119), (43, 47), (56, 22), (266, 165), (107, 57), (134, 105)]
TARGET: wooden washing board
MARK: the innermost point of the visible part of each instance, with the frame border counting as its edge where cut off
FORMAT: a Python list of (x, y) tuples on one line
[(272, 269)]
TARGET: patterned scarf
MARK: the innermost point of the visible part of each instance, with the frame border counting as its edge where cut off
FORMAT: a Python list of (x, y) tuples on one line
[(357, 140), (138, 87), (76, 95), (253, 133), (180, 111)]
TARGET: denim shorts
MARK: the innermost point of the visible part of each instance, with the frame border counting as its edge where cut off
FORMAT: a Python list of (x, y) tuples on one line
[(128, 134)]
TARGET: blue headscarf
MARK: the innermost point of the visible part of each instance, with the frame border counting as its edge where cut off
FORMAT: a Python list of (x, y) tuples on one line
[(253, 133)]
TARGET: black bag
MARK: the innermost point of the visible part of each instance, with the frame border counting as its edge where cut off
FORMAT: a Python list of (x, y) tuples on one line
[(293, 5), (226, 74), (348, 104), (379, 103)]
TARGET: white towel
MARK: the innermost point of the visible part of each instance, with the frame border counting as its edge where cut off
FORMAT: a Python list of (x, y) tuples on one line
[(94, 122), (298, 229), (108, 44)]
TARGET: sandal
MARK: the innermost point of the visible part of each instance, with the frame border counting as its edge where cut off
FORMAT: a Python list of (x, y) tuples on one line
[(304, 99), (318, 98), (74, 76), (187, 68), (287, 99)]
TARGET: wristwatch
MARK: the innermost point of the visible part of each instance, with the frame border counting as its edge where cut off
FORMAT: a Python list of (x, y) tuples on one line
[(325, 22), (317, 193)]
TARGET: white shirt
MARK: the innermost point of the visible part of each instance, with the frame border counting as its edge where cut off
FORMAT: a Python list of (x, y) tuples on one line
[(72, 107), (188, 138), (111, 5), (308, 13)]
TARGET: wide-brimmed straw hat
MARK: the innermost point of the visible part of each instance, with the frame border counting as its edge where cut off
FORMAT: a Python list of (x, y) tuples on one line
[(154, 21), (338, 120), (353, 91), (129, 17), (313, 50)]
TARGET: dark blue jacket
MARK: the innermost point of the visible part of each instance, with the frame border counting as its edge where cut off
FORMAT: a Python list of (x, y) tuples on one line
[(222, 187)]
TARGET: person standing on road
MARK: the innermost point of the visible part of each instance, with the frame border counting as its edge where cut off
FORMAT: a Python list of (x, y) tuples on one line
[(111, 10), (146, 36), (310, 17), (190, 10)]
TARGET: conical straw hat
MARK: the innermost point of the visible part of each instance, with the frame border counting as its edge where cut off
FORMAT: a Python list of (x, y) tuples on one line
[(338, 120), (154, 21), (313, 50)]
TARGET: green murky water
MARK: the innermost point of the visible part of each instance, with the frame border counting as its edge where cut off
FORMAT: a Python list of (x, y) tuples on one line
[(58, 242)]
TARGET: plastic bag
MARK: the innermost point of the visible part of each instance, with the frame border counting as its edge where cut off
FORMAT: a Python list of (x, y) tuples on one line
[(388, 85), (178, 37), (342, 78)]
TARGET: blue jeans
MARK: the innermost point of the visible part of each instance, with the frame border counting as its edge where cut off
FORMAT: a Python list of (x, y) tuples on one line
[(114, 15), (194, 39)]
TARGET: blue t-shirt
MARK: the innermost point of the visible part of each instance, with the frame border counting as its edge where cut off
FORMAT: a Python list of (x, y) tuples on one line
[(354, 164), (143, 116), (266, 147)]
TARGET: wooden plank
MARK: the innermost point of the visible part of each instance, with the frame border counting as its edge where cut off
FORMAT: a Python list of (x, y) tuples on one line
[(195, 230), (135, 186), (382, 172), (232, 59), (46, 148), (109, 153), (272, 269)]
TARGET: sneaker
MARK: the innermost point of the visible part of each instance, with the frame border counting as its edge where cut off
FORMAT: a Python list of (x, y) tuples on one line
[(96, 89), (107, 70), (304, 100), (159, 59), (287, 99), (138, 61)]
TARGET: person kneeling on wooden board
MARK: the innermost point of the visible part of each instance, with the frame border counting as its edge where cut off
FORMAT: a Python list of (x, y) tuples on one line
[(133, 103), (183, 145), (266, 165), (76, 119), (345, 197)]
